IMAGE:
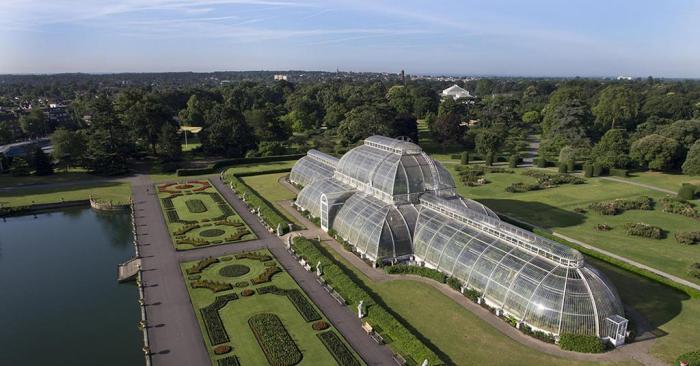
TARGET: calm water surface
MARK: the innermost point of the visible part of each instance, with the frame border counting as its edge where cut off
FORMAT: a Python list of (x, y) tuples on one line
[(60, 303)]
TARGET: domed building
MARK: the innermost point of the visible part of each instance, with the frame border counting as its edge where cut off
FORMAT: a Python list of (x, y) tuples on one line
[(393, 203)]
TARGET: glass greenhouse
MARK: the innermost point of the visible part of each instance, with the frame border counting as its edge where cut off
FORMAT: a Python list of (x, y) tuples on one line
[(392, 202)]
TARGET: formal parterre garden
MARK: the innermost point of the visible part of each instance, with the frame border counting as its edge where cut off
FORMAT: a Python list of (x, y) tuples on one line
[(251, 312), (197, 215)]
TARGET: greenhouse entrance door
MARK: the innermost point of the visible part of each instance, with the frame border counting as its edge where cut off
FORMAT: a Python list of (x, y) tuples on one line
[(616, 329), (324, 212)]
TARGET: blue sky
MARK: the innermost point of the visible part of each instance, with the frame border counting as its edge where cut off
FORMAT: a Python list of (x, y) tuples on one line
[(528, 38)]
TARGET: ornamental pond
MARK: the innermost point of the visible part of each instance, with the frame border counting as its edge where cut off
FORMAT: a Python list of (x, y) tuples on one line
[(60, 300)]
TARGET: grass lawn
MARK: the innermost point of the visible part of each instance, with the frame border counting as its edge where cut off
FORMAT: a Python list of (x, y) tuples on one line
[(267, 186), (72, 175), (663, 180), (256, 167), (114, 191), (235, 314), (198, 206), (554, 209), (456, 332)]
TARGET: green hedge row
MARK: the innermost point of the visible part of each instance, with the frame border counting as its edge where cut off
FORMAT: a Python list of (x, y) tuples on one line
[(581, 343), (212, 320), (269, 213), (415, 270), (212, 168), (403, 341), (303, 306)]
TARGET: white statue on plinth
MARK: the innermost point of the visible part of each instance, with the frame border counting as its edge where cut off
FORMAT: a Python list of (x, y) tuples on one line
[(319, 272), (425, 362), (360, 309), (289, 242)]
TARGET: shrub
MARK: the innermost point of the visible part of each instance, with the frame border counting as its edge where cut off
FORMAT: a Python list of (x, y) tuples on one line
[(513, 161), (563, 168), (541, 162), (694, 270), (688, 238), (520, 187), (464, 158), (489, 158), (587, 170), (603, 227), (320, 325), (581, 343), (619, 206), (241, 284), (538, 334), (472, 294), (222, 349), (274, 340), (338, 349), (570, 165), (548, 180), (676, 206), (598, 170), (201, 265), (234, 270), (692, 358), (247, 292), (686, 192), (455, 283), (644, 230), (619, 172), (415, 270)]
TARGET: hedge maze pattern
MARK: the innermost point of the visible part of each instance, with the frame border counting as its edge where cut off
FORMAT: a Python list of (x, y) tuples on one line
[(212, 320)]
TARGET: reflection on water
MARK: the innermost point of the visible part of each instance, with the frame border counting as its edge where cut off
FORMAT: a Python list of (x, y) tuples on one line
[(61, 303)]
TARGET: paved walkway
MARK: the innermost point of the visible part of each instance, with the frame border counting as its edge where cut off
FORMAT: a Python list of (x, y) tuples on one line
[(174, 332), (638, 351)]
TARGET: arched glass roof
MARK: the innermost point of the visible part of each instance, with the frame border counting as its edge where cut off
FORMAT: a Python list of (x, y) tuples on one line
[(375, 228), (542, 293), (309, 198), (314, 166)]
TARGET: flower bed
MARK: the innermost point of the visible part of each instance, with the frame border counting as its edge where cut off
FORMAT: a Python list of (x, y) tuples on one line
[(247, 292), (266, 275), (238, 235), (253, 256), (212, 233), (307, 311), (676, 206), (688, 238), (202, 264), (211, 285), (338, 349), (228, 361), (618, 206), (234, 270), (196, 206), (212, 320), (644, 230), (274, 340), (581, 343)]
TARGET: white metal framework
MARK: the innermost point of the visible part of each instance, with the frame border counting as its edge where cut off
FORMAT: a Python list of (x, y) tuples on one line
[(391, 201)]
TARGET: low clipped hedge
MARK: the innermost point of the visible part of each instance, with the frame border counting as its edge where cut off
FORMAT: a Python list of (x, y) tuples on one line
[(581, 343), (212, 320), (266, 276), (403, 341), (228, 361), (338, 349), (274, 340), (212, 168), (269, 213), (415, 270), (201, 265)]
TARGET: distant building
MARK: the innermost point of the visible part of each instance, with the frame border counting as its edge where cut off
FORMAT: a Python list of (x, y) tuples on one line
[(455, 92), (57, 116), (622, 77), (24, 148), (280, 77)]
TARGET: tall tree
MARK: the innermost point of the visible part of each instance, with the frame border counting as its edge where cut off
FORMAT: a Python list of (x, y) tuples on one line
[(686, 132), (401, 99), (169, 143), (656, 152), (365, 121), (68, 146), (109, 146), (41, 162), (691, 166), (448, 128), (227, 133), (617, 107), (612, 150), (34, 124)]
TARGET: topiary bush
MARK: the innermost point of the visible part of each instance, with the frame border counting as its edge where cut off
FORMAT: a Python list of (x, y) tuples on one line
[(694, 270), (320, 325), (247, 292), (581, 343), (222, 349), (563, 168), (587, 170), (619, 172), (464, 158), (686, 192), (513, 161), (541, 162)]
